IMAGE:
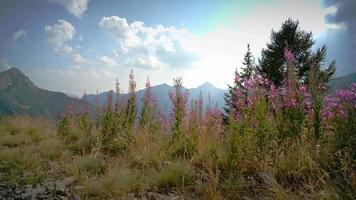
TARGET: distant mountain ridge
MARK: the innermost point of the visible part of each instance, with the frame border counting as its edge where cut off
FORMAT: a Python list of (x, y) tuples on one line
[(342, 82), (18, 95), (211, 96)]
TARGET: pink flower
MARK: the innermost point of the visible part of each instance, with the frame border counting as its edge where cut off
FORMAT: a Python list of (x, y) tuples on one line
[(272, 96), (303, 89), (338, 106), (213, 119), (237, 78), (322, 87), (288, 55), (171, 94)]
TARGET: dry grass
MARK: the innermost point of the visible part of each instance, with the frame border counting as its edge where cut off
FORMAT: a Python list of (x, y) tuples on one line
[(30, 150)]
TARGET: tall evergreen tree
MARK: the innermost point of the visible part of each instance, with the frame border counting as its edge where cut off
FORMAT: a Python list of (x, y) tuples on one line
[(317, 62), (300, 43), (248, 69), (230, 97)]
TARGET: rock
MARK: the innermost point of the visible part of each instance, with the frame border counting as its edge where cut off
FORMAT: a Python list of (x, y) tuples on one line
[(32, 193), (266, 177), (63, 184), (48, 189)]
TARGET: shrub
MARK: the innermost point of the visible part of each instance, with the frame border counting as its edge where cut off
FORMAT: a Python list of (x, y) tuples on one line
[(22, 165), (84, 166), (173, 175)]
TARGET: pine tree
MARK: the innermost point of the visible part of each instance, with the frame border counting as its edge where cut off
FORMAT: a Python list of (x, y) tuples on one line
[(299, 42), (317, 62), (248, 69), (230, 97)]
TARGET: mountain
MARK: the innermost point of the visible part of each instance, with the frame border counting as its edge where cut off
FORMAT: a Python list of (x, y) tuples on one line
[(18, 95), (161, 94), (342, 82), (211, 95)]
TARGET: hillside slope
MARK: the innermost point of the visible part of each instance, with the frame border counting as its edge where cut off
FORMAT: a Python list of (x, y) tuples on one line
[(18, 95), (342, 82)]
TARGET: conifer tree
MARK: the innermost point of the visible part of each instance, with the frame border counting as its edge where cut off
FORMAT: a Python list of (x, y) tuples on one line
[(248, 69), (230, 97), (300, 43)]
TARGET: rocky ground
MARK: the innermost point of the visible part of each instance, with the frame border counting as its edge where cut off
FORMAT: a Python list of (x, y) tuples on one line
[(49, 189), (63, 190)]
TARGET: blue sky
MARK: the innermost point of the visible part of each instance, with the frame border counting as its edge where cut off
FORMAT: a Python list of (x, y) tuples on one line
[(83, 45)]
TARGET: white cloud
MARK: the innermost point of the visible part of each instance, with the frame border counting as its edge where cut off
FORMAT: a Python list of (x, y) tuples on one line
[(18, 35), (74, 80), (221, 50), (79, 60), (121, 30), (59, 35), (108, 61), (148, 47), (212, 56), (75, 7)]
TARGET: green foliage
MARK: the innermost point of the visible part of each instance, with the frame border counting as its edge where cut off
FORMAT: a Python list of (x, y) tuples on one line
[(229, 98), (84, 166), (174, 175), (179, 102), (130, 111), (248, 71), (63, 126), (300, 42), (317, 100), (249, 68), (266, 152), (149, 112), (290, 122), (345, 134)]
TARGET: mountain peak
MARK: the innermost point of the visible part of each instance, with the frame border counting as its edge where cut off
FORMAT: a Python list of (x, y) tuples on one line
[(18, 95), (206, 85), (14, 76), (11, 70), (14, 73)]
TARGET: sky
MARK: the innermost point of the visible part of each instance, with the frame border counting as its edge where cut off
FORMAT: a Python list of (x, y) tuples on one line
[(74, 46)]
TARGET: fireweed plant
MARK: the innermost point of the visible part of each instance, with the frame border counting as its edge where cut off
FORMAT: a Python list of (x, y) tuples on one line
[(291, 140)]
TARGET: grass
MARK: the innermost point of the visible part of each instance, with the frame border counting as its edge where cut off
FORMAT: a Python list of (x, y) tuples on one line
[(174, 175), (220, 167), (84, 166)]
